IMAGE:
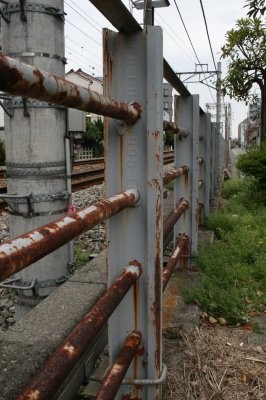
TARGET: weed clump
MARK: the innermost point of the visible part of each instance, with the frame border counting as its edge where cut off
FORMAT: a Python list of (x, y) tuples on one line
[(233, 270)]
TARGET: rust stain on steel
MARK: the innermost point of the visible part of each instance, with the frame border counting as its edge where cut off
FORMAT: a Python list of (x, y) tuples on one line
[(174, 173), (169, 269), (54, 371), (113, 378), (19, 78), (198, 213), (184, 261), (108, 63), (156, 311), (22, 251), (173, 218), (186, 181)]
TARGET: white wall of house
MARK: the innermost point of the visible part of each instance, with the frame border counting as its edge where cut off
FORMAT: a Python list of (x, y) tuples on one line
[(88, 81)]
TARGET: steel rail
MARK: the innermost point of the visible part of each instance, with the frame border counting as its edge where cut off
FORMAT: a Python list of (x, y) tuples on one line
[(16, 254), (114, 377), (177, 253), (173, 218), (21, 79), (175, 173), (56, 369)]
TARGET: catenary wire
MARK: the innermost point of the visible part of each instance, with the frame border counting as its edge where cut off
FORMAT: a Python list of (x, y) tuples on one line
[(207, 30), (82, 16), (184, 25), (84, 33)]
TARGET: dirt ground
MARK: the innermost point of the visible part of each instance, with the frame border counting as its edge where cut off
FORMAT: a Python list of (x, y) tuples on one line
[(213, 362), (209, 362)]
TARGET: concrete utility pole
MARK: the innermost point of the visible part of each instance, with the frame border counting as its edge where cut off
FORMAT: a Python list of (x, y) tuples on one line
[(35, 151), (218, 117)]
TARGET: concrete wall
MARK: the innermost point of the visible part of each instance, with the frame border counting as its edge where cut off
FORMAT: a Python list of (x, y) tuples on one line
[(25, 346)]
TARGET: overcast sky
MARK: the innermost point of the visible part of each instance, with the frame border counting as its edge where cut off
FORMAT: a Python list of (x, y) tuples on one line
[(84, 50)]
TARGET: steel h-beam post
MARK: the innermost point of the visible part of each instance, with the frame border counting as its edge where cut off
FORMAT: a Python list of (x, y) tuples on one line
[(35, 152), (207, 167), (186, 153), (212, 163), (202, 160), (133, 158), (217, 159)]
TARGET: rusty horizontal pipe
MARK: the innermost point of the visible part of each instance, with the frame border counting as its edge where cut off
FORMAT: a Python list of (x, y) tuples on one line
[(177, 253), (172, 219), (174, 173), (18, 253), (56, 368), (21, 79), (115, 375), (172, 127)]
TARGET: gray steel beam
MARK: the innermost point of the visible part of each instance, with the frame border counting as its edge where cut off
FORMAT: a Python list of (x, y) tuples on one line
[(186, 152), (121, 18), (133, 156)]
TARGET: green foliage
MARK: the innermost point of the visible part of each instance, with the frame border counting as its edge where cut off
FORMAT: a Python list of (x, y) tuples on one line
[(2, 154), (232, 187), (233, 270), (168, 138), (253, 164), (245, 49), (93, 137), (256, 7), (81, 256)]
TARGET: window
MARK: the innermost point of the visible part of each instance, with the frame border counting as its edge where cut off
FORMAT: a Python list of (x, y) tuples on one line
[(165, 106)]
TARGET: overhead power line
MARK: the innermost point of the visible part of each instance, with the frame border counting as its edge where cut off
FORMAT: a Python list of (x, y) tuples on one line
[(206, 25), (184, 25), (82, 16), (84, 33), (189, 38)]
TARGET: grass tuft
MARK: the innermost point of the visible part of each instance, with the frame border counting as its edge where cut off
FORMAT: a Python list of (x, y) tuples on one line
[(232, 280)]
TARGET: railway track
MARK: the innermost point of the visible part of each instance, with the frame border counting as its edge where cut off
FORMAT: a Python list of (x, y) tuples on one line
[(85, 174)]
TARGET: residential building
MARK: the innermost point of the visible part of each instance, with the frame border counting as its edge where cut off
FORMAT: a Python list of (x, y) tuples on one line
[(167, 102), (77, 119)]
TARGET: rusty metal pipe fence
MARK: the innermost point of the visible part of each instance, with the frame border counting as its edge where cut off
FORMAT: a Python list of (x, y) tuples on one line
[(133, 159)]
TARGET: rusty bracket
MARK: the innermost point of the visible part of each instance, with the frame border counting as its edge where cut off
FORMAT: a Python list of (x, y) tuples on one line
[(14, 199), (29, 7), (7, 20), (9, 284), (5, 106), (23, 16), (25, 107)]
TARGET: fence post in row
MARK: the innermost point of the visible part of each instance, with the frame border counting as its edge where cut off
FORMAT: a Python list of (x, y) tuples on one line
[(186, 153), (204, 163), (217, 160), (212, 165), (35, 150), (133, 72)]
